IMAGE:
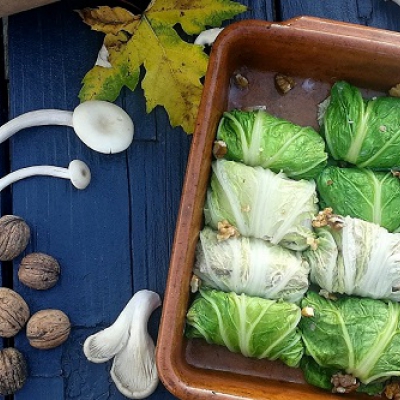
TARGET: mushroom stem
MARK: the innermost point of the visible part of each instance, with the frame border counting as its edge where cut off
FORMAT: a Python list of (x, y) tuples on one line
[(78, 172), (35, 118)]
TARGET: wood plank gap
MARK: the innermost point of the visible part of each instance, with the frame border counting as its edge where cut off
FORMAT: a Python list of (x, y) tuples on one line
[(6, 201), (130, 201), (276, 9), (5, 167)]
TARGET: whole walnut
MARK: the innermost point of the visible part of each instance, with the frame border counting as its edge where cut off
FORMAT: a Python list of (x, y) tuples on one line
[(13, 371), (14, 237), (47, 329), (14, 312), (39, 271)]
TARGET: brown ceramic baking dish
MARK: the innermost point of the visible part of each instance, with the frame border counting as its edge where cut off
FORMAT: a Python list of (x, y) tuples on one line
[(316, 53)]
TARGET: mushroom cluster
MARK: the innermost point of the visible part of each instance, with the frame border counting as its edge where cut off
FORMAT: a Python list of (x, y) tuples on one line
[(106, 128), (102, 126), (127, 340)]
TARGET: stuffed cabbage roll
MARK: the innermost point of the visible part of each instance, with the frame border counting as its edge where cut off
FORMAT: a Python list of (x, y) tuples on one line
[(364, 132), (257, 138), (361, 193), (251, 266), (251, 326), (356, 257), (358, 336), (261, 204)]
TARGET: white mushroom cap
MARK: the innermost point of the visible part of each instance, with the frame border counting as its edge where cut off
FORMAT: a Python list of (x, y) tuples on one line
[(79, 174), (103, 126)]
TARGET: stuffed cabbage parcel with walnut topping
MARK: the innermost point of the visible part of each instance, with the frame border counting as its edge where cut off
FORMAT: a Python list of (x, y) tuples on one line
[(252, 326), (257, 138), (357, 337), (261, 204), (363, 132), (356, 257)]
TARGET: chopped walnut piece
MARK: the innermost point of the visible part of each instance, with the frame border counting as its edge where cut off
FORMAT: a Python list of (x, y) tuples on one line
[(284, 83), (313, 243), (326, 217), (327, 295), (307, 312), (395, 91), (392, 391), (240, 81), (219, 149), (226, 230), (344, 383), (395, 173), (195, 283), (246, 208), (321, 219)]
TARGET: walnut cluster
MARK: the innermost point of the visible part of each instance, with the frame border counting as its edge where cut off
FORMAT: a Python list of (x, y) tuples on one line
[(45, 329)]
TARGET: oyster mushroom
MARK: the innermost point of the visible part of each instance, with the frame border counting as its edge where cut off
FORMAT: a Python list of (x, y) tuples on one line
[(134, 369), (77, 172), (101, 125)]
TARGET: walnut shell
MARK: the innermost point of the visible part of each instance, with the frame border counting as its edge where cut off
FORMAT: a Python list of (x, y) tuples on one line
[(14, 237), (47, 329), (13, 371), (39, 271), (14, 312)]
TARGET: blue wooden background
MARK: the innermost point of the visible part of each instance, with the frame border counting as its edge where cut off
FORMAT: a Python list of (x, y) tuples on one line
[(115, 237)]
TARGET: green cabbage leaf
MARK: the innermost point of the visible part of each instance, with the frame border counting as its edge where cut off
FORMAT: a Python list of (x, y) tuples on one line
[(261, 204), (364, 132), (360, 336), (361, 193), (257, 138), (321, 377), (360, 259), (250, 266), (251, 326)]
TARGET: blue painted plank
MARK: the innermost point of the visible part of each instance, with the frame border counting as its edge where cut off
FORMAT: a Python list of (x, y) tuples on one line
[(378, 13), (42, 388)]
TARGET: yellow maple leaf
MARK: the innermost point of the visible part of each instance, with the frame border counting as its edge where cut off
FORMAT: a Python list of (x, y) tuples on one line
[(173, 67)]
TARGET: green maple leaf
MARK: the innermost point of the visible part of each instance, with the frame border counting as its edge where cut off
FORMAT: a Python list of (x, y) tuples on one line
[(173, 67)]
